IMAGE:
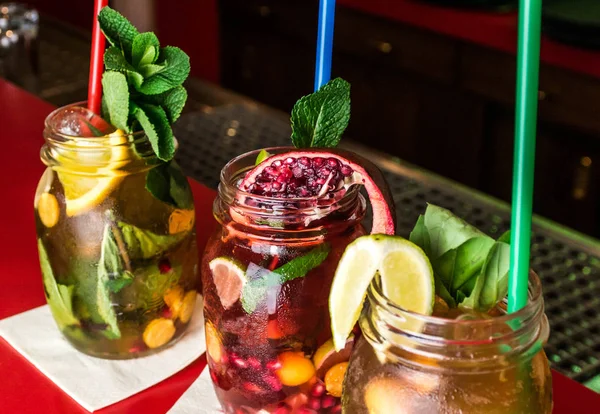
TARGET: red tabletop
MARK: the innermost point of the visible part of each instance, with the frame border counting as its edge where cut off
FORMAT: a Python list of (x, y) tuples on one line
[(23, 388)]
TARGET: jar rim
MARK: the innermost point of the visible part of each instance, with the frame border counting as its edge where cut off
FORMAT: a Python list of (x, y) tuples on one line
[(58, 136), (534, 302)]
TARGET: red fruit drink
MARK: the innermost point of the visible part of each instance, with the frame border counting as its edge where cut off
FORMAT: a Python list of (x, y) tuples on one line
[(267, 273)]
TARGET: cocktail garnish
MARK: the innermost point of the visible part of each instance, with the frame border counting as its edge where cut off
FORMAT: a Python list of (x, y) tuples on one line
[(471, 268), (142, 82)]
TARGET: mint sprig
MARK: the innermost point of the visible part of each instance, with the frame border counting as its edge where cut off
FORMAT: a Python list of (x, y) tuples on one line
[(260, 280), (470, 268), (320, 119), (142, 82)]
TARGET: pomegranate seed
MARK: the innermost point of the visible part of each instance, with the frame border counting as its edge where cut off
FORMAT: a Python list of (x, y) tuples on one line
[(290, 161), (254, 363), (274, 365), (318, 161), (328, 401), (321, 181), (276, 185), (309, 172), (271, 171), (346, 171), (297, 171), (237, 361), (164, 266), (304, 161), (251, 387), (317, 390), (333, 163), (306, 410), (276, 164), (336, 410), (324, 172), (314, 403), (273, 382)]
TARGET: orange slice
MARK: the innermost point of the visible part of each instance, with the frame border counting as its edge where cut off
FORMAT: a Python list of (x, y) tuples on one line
[(48, 209), (158, 332), (187, 306)]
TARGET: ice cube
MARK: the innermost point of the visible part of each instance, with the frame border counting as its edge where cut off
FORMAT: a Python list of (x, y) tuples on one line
[(77, 121)]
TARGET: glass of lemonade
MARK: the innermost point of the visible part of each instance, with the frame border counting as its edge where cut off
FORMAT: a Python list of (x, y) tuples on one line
[(453, 361), (266, 276), (119, 265)]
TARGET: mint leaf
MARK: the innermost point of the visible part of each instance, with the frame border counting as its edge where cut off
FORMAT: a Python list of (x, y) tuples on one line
[(150, 70), (117, 29), (59, 297), (145, 49), (109, 266), (176, 70), (301, 265), (116, 95), (260, 281), (319, 119), (168, 184), (144, 244), (171, 101), (156, 126), (150, 286), (115, 61)]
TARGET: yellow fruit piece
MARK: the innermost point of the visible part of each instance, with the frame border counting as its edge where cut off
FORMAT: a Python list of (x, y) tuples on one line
[(326, 356), (159, 332), (174, 300), (213, 343), (48, 210), (187, 306), (335, 378), (86, 185), (181, 220), (384, 396), (295, 369)]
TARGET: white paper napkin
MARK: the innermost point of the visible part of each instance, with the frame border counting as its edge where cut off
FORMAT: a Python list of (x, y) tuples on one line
[(96, 383), (200, 398)]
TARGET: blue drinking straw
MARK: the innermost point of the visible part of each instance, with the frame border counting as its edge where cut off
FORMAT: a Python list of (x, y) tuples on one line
[(528, 65), (324, 42)]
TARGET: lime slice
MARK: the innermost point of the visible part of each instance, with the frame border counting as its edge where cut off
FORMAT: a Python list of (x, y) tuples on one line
[(85, 185), (229, 278), (406, 278)]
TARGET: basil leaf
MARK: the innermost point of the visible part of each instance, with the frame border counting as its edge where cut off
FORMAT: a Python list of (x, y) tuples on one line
[(456, 266), (446, 231), (59, 296), (492, 283)]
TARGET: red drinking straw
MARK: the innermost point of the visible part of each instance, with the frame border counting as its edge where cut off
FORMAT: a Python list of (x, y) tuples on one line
[(96, 61)]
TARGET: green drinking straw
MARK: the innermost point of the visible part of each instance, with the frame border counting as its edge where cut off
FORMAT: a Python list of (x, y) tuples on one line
[(528, 64)]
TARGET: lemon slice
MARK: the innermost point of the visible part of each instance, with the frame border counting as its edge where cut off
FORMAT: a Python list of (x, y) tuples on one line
[(406, 279), (87, 186)]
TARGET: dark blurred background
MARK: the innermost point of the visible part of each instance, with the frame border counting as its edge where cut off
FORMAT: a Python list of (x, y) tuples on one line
[(432, 81)]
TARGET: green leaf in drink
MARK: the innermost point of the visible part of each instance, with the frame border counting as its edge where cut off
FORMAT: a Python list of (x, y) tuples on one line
[(155, 123), (59, 296), (110, 267), (168, 184), (261, 280), (144, 244)]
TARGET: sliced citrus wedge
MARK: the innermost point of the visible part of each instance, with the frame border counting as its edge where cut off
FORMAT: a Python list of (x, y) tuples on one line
[(229, 278), (85, 185), (406, 278)]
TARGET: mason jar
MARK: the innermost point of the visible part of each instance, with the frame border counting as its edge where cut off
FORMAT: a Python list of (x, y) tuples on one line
[(116, 238), (266, 276), (488, 363)]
